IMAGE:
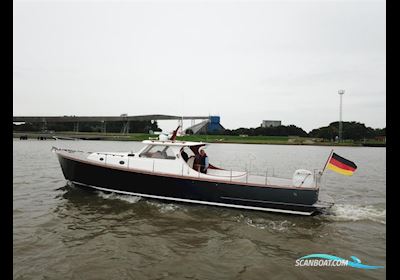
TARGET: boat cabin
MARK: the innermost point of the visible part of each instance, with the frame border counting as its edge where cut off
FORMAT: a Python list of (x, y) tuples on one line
[(174, 157), (177, 158)]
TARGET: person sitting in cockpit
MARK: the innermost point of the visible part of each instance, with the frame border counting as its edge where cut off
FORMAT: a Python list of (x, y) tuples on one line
[(201, 161)]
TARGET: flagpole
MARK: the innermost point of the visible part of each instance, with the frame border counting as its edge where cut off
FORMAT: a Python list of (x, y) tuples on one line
[(326, 163)]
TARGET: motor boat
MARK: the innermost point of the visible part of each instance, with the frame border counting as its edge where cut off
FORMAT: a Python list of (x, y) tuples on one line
[(160, 171)]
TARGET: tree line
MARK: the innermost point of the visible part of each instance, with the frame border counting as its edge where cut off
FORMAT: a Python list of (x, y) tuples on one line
[(351, 130), (290, 130)]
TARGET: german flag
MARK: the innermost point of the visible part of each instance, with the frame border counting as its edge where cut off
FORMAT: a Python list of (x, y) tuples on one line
[(341, 165)]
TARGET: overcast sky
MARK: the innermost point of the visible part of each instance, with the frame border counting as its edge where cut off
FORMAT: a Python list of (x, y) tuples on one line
[(245, 61)]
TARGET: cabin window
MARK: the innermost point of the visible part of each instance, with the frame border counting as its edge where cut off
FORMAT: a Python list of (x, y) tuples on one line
[(158, 151), (188, 151)]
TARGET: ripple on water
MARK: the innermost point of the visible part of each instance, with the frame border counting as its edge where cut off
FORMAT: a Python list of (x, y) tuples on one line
[(265, 224), (349, 212), (126, 198), (165, 207), (161, 206)]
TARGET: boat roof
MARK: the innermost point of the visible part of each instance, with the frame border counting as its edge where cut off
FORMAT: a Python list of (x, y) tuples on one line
[(174, 143)]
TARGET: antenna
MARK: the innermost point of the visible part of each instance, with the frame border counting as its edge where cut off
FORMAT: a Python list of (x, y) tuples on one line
[(341, 92), (182, 125)]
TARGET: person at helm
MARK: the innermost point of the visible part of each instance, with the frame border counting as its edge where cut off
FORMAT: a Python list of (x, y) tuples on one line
[(201, 161)]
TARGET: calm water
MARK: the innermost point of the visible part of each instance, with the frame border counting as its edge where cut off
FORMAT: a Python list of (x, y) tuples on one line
[(63, 232)]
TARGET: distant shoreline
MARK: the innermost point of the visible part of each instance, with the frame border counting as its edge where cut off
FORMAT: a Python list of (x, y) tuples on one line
[(226, 139)]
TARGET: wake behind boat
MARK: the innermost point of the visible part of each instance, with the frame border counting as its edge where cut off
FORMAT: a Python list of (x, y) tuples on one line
[(168, 170)]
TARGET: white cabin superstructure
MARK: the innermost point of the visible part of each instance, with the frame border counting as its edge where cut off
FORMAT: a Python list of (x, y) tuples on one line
[(161, 157), (165, 157)]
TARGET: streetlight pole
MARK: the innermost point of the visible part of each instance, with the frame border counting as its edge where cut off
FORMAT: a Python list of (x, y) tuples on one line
[(341, 92)]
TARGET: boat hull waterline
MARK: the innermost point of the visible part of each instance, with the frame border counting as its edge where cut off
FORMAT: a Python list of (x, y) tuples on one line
[(189, 189)]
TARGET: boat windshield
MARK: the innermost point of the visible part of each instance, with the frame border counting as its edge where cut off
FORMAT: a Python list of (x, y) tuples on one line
[(158, 151)]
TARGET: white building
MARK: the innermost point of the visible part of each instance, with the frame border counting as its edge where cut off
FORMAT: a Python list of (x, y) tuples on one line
[(269, 123)]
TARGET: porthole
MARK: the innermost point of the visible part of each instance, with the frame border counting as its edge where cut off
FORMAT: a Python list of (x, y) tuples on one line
[(101, 159), (122, 162)]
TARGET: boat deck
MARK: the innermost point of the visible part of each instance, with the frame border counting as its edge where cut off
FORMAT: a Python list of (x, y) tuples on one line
[(248, 178), (220, 175)]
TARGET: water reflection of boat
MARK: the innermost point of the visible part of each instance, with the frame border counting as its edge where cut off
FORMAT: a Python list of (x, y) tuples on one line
[(159, 171)]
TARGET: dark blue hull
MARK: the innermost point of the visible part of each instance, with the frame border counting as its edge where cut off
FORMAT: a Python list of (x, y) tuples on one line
[(184, 189)]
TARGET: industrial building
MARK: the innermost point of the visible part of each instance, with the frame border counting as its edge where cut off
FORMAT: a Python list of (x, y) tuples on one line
[(211, 125), (269, 123)]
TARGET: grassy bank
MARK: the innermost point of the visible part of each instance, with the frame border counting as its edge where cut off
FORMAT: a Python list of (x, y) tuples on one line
[(277, 140)]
